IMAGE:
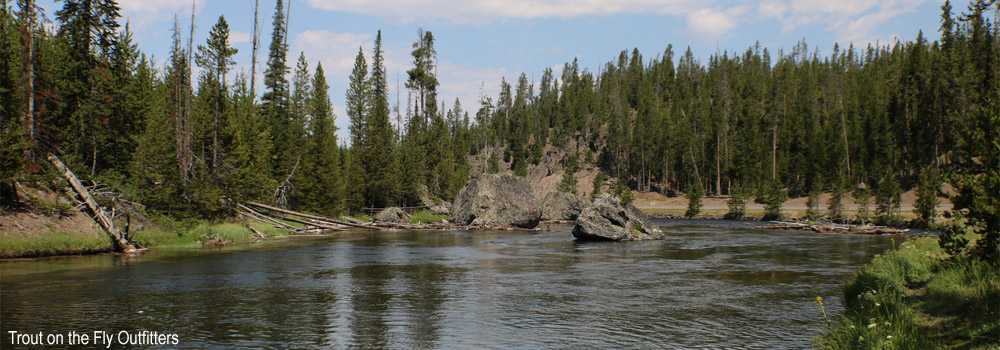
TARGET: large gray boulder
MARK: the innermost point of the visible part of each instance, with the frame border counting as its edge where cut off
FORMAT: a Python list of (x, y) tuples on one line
[(441, 208), (393, 215), (561, 206), (607, 220), (496, 200)]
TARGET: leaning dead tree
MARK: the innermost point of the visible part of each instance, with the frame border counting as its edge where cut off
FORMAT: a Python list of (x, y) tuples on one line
[(285, 186), (122, 241)]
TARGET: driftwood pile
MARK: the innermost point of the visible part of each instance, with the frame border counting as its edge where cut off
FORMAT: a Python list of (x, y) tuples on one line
[(278, 217), (835, 228)]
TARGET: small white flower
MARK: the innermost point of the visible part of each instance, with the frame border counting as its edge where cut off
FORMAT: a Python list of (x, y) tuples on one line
[(888, 337), (877, 304), (870, 326)]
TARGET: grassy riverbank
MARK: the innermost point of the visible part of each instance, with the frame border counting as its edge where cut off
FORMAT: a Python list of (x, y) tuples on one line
[(916, 297), (51, 242)]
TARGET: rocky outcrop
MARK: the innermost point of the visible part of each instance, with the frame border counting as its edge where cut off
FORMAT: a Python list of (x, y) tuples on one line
[(561, 206), (441, 208), (607, 220), (393, 215), (496, 200)]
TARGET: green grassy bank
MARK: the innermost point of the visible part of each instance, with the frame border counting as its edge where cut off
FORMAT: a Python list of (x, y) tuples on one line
[(916, 297), (162, 234)]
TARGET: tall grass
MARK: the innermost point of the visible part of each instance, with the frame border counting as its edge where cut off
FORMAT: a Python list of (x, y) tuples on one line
[(913, 298), (166, 234), (53, 243), (426, 217)]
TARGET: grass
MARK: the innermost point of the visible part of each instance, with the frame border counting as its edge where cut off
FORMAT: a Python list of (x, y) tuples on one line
[(165, 234), (53, 243), (362, 217), (426, 217), (914, 297), (228, 231)]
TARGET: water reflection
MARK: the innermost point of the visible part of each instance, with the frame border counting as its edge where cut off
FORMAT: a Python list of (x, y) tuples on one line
[(724, 285)]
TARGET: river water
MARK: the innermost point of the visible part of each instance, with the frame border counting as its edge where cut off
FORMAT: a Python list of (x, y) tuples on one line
[(709, 284)]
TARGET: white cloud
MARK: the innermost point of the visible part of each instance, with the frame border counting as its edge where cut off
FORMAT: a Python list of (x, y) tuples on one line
[(142, 13), (236, 37), (471, 11), (465, 83), (710, 24), (856, 21)]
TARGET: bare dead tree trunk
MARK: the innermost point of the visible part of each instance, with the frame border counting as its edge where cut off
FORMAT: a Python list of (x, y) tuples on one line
[(188, 156), (30, 116), (718, 163), (843, 124), (253, 50)]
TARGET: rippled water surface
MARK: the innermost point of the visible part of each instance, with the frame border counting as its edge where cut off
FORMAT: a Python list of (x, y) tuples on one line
[(708, 285)]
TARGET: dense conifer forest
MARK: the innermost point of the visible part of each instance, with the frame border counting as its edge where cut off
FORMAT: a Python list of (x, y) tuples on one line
[(753, 121)]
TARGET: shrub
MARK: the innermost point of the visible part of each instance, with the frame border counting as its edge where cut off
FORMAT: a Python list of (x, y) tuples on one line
[(737, 203), (694, 194)]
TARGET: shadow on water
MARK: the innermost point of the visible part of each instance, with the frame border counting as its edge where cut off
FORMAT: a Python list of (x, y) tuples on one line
[(707, 285)]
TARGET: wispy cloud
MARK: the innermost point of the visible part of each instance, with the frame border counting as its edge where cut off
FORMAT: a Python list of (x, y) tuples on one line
[(857, 21), (142, 13)]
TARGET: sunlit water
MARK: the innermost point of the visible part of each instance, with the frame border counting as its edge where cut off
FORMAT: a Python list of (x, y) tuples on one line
[(707, 285)]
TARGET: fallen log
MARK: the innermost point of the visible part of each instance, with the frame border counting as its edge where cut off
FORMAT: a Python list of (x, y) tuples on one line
[(122, 241), (834, 228), (264, 218), (308, 216)]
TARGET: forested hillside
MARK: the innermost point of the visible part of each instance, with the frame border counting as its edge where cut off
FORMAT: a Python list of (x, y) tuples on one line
[(191, 146)]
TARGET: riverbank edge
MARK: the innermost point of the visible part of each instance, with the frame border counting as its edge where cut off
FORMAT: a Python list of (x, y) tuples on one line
[(917, 297), (164, 235)]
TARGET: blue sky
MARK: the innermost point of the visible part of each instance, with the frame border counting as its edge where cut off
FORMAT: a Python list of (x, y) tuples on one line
[(480, 41)]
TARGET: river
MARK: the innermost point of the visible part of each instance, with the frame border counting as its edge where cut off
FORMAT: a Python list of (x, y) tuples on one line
[(709, 284)]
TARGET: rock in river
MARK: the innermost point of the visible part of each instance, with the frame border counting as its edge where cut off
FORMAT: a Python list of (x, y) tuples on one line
[(607, 220), (393, 215), (561, 206), (496, 200)]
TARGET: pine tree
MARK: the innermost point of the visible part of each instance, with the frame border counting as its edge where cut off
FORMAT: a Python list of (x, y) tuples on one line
[(421, 145), (89, 32), (13, 141), (323, 160), (376, 152), (774, 197), (737, 203), (694, 194), (357, 110), (250, 154), (216, 58), (274, 106), (298, 143), (927, 188), (569, 181)]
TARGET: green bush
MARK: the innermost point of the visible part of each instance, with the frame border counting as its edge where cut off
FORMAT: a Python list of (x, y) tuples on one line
[(737, 203), (774, 197), (694, 194)]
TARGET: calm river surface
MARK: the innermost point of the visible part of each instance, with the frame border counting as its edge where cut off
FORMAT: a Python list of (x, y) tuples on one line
[(710, 284)]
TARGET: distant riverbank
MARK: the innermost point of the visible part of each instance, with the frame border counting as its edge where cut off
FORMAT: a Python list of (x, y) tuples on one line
[(715, 206)]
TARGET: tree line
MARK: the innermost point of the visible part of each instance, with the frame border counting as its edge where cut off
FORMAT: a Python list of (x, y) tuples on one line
[(742, 122)]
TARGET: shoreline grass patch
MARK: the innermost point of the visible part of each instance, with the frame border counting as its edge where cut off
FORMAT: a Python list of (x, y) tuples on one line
[(916, 297)]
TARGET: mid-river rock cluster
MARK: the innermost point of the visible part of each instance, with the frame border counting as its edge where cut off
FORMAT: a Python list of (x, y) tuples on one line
[(561, 206), (394, 215), (496, 200), (607, 220)]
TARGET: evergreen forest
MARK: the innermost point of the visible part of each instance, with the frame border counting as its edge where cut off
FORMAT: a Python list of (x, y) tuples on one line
[(191, 146)]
